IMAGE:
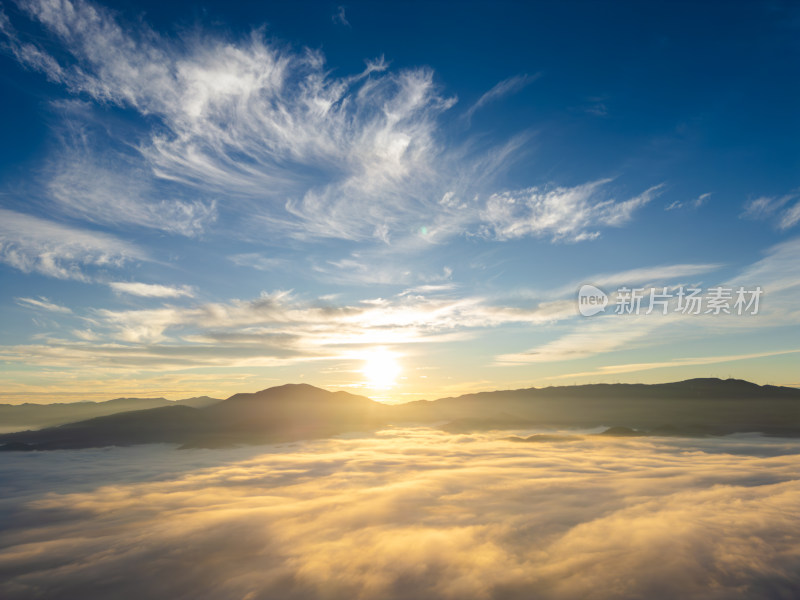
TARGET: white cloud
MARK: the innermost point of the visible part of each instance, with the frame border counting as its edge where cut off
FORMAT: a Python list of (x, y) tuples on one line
[(282, 327), (43, 304), (790, 217), (253, 121), (32, 244), (339, 17), (777, 274), (28, 54), (589, 338), (274, 329), (151, 290), (676, 362), (258, 261), (506, 87), (569, 214), (702, 199), (778, 271), (250, 127), (659, 275), (282, 316), (775, 208), (430, 288), (763, 206), (112, 188), (696, 203)]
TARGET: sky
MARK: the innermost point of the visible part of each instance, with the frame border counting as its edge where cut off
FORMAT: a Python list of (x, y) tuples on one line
[(400, 199)]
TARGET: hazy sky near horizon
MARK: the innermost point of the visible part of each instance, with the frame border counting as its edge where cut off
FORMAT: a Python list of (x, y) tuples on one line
[(397, 198)]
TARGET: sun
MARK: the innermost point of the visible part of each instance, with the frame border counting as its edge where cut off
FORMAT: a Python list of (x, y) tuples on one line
[(380, 368)]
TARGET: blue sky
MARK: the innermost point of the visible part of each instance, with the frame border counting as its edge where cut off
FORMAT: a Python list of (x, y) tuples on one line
[(400, 199)]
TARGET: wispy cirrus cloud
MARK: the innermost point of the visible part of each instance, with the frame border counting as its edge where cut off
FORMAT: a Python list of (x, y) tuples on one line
[(258, 261), (589, 338), (35, 245), (696, 203), (777, 274), (253, 119), (504, 88), (777, 271), (676, 362), (568, 214), (253, 127), (790, 217), (28, 53), (339, 17), (43, 303), (151, 290), (783, 210), (114, 187), (655, 276)]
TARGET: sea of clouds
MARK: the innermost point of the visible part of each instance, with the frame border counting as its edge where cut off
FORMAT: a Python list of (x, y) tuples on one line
[(406, 514)]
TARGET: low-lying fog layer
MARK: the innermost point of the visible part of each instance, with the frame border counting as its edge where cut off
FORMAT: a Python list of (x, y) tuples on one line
[(413, 514)]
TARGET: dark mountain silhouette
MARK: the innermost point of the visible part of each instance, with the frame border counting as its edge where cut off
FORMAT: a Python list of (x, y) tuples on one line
[(622, 432), (34, 416), (294, 412), (709, 406), (284, 413), (165, 424)]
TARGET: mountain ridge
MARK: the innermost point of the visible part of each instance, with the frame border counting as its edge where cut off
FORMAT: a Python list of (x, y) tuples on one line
[(34, 415), (302, 411)]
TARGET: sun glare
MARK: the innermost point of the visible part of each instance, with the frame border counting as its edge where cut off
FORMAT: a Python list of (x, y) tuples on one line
[(381, 369)]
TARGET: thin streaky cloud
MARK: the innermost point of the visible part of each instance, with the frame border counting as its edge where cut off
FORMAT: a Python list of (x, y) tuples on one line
[(151, 290), (696, 203), (43, 304), (777, 274), (35, 245), (783, 210), (677, 362), (655, 275), (340, 18), (28, 54), (598, 336), (790, 217), (276, 328), (504, 88), (777, 271), (112, 188), (258, 261), (702, 199)]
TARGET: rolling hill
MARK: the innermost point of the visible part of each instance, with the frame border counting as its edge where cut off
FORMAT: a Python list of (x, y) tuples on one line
[(300, 411), (35, 416)]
